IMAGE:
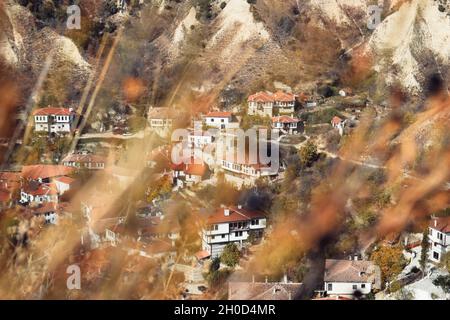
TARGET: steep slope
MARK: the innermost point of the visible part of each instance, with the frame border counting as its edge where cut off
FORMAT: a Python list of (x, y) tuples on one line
[(415, 41)]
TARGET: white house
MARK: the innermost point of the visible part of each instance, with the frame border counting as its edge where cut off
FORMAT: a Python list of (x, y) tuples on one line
[(189, 174), (345, 277), (219, 120), (286, 124), (161, 120), (269, 104), (339, 124), (439, 237), (231, 225), (63, 184), (54, 120)]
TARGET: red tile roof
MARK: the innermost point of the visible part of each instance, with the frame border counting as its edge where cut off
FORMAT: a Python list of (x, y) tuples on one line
[(236, 215), (283, 97), (66, 180), (285, 119), (41, 190), (4, 195), (45, 208), (45, 171), (10, 176), (349, 271), (202, 255), (218, 114), (441, 223), (272, 97), (336, 120), (195, 169), (260, 97), (52, 111)]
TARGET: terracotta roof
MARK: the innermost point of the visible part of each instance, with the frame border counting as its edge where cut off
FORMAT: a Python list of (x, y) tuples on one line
[(283, 96), (261, 97), (336, 120), (218, 114), (10, 176), (45, 171), (262, 291), (84, 158), (441, 224), (272, 97), (202, 255), (236, 215), (285, 119), (41, 189), (160, 246), (349, 271), (66, 180), (45, 208), (52, 111), (196, 169), (4, 195)]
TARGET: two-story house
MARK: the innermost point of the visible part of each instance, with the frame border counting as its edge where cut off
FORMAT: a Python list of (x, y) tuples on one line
[(231, 225), (270, 104), (439, 237), (161, 120), (54, 120), (286, 124), (40, 185), (346, 277), (219, 120)]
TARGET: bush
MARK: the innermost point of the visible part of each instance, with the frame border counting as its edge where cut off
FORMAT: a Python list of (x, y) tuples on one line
[(230, 255)]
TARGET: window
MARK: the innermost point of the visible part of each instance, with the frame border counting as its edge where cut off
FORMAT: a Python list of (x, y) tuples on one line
[(363, 286), (435, 255), (330, 287), (223, 236), (238, 234), (216, 227), (355, 287)]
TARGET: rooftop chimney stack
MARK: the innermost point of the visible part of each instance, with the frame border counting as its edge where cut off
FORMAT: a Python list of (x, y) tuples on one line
[(239, 206), (226, 212)]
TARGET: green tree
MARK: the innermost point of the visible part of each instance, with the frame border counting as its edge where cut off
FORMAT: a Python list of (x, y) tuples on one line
[(424, 253), (308, 154), (230, 255)]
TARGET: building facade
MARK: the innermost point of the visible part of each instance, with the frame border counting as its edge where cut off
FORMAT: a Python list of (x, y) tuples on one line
[(439, 238), (231, 225), (54, 120)]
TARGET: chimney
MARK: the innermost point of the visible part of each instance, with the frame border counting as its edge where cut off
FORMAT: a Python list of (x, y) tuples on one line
[(253, 278), (226, 212), (267, 280), (285, 278), (239, 206), (435, 223)]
